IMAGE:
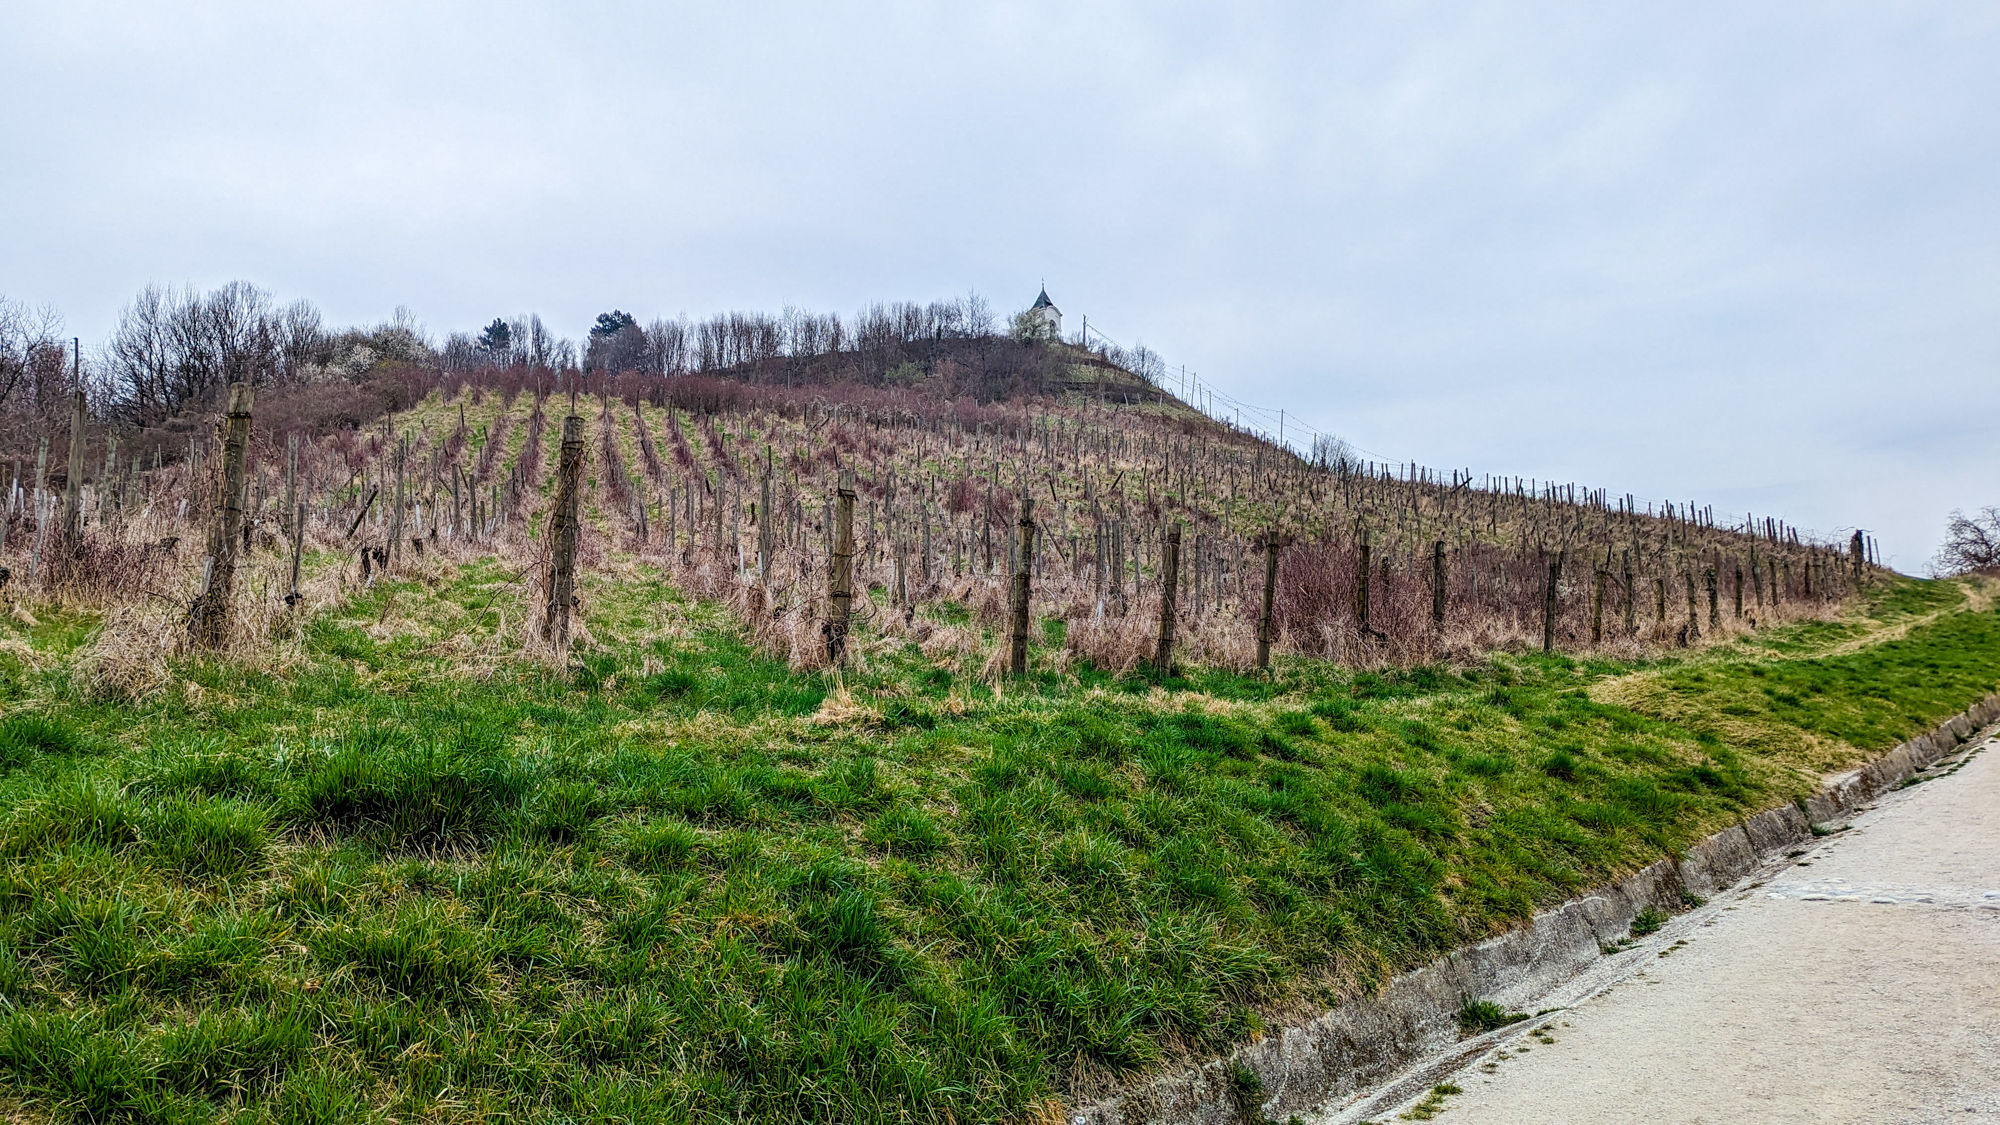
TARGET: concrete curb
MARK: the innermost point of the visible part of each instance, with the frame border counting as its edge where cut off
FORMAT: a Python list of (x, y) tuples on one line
[(1306, 1068)]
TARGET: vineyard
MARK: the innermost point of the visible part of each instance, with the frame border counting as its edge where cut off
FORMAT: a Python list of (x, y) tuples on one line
[(727, 488)]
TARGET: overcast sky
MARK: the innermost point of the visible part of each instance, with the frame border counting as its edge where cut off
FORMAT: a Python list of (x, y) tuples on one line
[(1744, 254)]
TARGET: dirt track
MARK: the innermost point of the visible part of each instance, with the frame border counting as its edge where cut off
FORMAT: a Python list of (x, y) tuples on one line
[(1860, 984)]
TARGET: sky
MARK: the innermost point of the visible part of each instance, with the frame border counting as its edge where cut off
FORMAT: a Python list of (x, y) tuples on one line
[(1741, 254)]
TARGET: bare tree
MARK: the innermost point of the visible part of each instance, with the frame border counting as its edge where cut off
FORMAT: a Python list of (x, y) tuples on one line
[(1146, 364), (667, 347), (174, 348), (33, 355), (1333, 454), (1970, 543), (304, 346)]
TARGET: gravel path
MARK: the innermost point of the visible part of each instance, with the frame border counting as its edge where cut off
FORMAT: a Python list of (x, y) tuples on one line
[(1860, 983)]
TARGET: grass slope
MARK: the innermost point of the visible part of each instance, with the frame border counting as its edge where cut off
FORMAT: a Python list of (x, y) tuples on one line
[(392, 872)]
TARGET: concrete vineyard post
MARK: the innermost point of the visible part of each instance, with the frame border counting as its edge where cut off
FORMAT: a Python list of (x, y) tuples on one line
[(840, 577), (212, 602), (1170, 567), (562, 537), (1017, 657), (107, 481)]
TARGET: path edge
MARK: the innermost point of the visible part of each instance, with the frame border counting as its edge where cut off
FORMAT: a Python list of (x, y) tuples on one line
[(1305, 1068)]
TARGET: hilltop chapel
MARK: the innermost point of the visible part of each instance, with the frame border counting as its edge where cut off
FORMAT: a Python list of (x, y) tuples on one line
[(1046, 311)]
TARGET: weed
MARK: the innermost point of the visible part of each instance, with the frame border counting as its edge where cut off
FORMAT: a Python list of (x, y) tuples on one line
[(1246, 1088), (1432, 1103), (1647, 921), (1477, 1016)]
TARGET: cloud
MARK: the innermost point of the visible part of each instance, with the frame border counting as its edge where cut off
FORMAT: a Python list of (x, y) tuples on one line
[(1741, 254)]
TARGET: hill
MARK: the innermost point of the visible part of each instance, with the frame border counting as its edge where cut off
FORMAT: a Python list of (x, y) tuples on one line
[(390, 848)]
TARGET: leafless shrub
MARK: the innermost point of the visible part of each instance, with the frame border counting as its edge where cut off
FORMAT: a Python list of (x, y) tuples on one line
[(1971, 544)]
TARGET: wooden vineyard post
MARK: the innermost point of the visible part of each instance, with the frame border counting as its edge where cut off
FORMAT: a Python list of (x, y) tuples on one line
[(1597, 582), (716, 546), (1549, 603), (764, 531), (1714, 607), (1117, 571), (1439, 586), (296, 527), (298, 551), (840, 575), (1737, 591), (1017, 657), (1693, 626), (1364, 551), (69, 543), (36, 570), (924, 560), (1855, 551), (1170, 569), (210, 616), (562, 537), (395, 543), (1631, 594), (1265, 623)]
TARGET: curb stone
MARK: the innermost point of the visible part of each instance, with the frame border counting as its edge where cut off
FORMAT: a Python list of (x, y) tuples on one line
[(1306, 1067)]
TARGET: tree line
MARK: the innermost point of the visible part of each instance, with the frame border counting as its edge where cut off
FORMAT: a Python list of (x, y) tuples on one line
[(175, 348)]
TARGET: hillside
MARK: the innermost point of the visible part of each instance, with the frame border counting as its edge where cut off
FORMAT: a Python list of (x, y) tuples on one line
[(389, 850), (1379, 566)]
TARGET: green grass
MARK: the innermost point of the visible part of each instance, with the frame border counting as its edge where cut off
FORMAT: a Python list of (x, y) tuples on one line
[(1484, 1015), (397, 878)]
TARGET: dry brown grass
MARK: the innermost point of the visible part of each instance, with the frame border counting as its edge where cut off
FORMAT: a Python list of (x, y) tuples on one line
[(140, 586)]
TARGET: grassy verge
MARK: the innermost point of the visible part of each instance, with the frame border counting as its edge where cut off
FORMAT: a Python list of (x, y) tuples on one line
[(387, 877)]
